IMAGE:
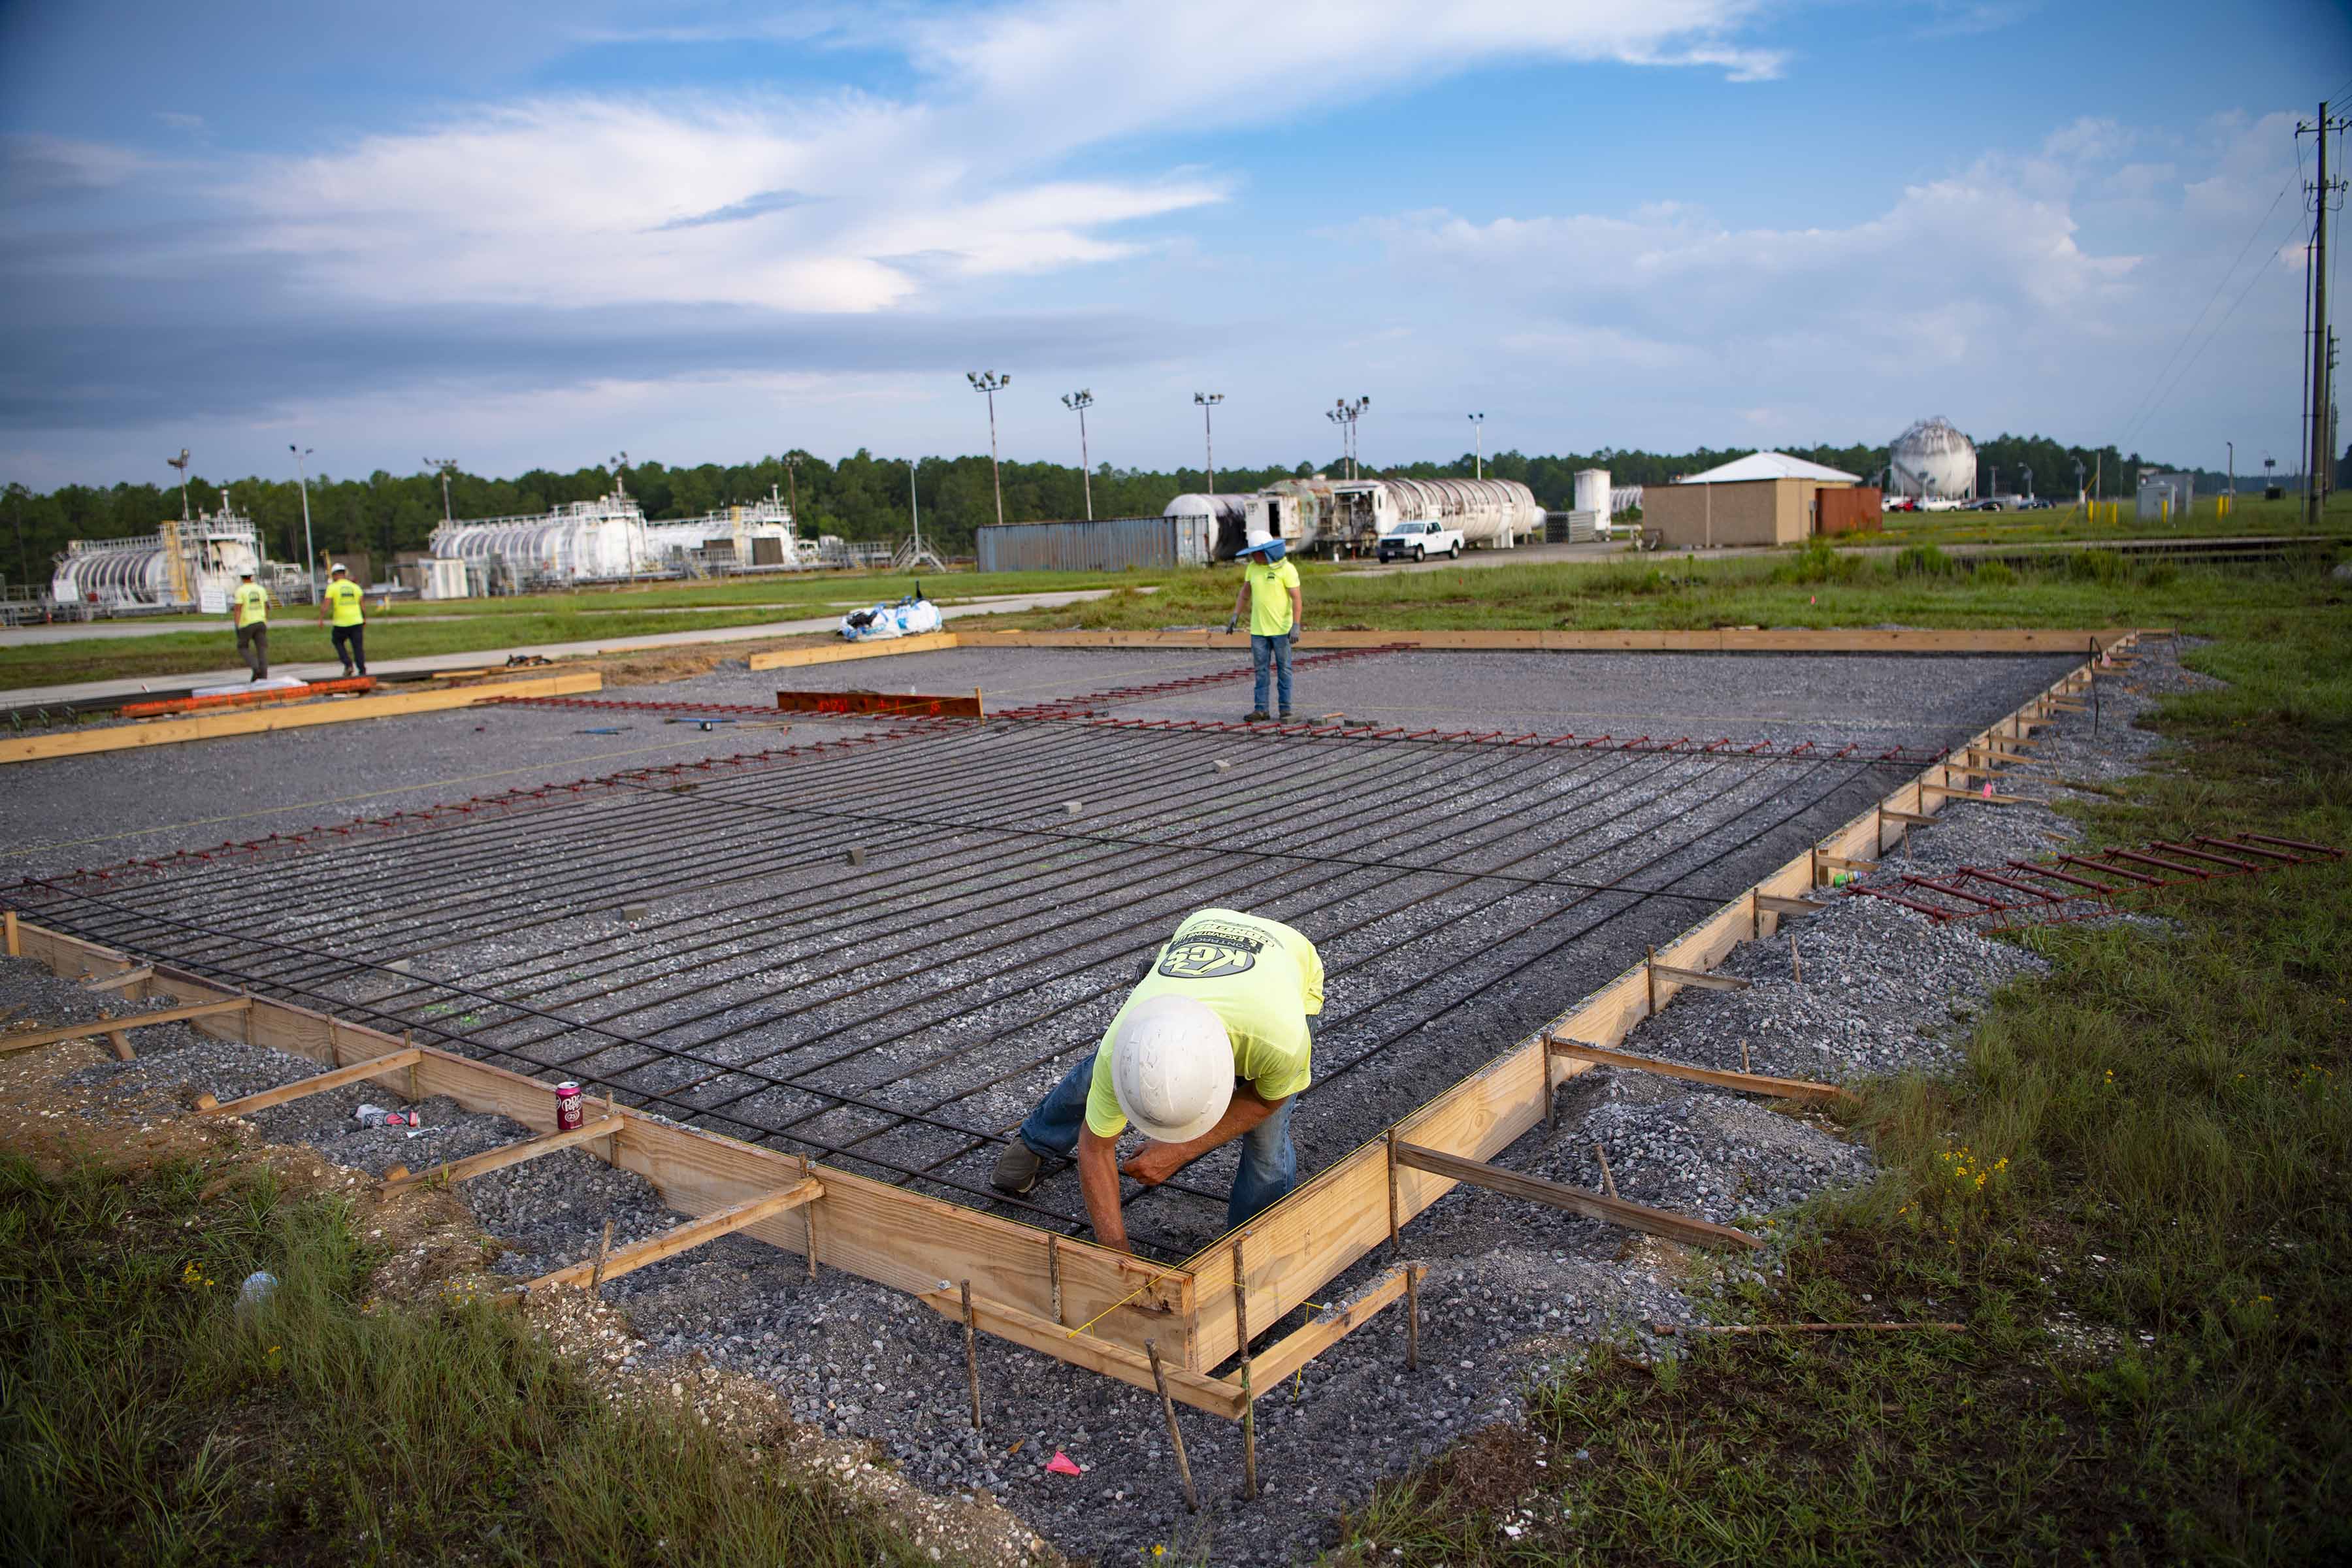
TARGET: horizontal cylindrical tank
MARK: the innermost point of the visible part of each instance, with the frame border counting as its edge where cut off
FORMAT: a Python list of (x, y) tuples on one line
[(578, 543), (1104, 544), (1496, 512), (1227, 515), (1593, 490), (126, 573)]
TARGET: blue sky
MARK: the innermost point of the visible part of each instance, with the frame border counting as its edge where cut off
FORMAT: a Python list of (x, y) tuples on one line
[(534, 235)]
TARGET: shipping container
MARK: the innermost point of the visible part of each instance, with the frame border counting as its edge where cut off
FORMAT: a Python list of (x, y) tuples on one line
[(1105, 544)]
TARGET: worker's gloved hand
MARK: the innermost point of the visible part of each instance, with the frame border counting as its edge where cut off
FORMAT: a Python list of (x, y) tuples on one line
[(1232, 624)]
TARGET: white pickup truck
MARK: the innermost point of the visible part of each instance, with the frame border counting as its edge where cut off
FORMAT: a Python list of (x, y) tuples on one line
[(1419, 540)]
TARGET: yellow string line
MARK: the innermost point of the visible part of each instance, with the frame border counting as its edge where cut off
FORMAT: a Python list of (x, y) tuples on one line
[(1114, 1306)]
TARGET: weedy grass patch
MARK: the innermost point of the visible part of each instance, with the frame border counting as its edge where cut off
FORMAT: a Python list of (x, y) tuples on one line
[(147, 1416)]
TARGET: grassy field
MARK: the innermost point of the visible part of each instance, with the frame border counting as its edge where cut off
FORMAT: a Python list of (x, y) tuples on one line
[(468, 626), (2250, 514), (144, 1418), (2137, 1196)]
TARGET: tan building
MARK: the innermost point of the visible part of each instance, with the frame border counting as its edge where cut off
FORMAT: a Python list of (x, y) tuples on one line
[(1768, 497)]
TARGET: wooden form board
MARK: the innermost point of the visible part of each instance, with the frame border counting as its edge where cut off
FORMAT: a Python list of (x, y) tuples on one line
[(878, 702), (1341, 1214), (864, 1227), (1789, 639), (833, 653), (212, 726)]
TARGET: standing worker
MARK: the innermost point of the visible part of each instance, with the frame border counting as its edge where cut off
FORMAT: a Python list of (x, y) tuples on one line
[(1212, 1045), (1269, 592), (249, 614), (342, 605)]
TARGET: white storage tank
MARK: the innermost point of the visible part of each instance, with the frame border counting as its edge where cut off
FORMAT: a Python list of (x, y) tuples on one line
[(1932, 462), (1225, 517), (1593, 490)]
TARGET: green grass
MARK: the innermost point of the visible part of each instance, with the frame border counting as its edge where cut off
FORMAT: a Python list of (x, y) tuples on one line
[(1817, 587), (467, 625), (2152, 1146), (2250, 515), (144, 1419)]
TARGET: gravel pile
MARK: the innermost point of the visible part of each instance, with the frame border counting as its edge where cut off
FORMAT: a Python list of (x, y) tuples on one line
[(1511, 1289)]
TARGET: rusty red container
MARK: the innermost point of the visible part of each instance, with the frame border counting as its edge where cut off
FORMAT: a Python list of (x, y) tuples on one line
[(567, 1107)]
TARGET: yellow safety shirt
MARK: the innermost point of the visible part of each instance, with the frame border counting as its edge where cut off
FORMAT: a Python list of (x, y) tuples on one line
[(253, 599), (1263, 980), (1269, 589), (344, 598)]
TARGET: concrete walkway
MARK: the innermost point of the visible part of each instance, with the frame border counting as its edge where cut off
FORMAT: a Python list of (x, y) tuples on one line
[(89, 690)]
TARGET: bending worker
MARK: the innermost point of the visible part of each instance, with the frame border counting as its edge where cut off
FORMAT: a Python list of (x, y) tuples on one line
[(1269, 592), (1212, 1045), (341, 604), (249, 612)]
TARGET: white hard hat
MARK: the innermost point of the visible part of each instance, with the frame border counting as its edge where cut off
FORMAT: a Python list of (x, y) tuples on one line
[(1171, 1068), (338, 566)]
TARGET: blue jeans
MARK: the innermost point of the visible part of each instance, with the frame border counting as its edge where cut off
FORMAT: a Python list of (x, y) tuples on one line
[(1276, 649), (1269, 1163)]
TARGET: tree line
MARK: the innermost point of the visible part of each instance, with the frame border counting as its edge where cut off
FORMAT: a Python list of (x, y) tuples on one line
[(863, 497)]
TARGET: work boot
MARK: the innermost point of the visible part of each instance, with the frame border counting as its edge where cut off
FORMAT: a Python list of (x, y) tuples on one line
[(1016, 1169), (1260, 716), (1286, 715)]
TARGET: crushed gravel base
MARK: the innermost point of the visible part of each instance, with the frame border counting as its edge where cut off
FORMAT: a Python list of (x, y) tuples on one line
[(1510, 1290)]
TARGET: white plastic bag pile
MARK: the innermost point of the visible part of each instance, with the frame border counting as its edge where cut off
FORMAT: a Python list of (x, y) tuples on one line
[(909, 617)]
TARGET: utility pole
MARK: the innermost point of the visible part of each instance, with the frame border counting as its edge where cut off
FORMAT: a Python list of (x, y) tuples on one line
[(1208, 402), (2317, 456), (1080, 402), (793, 480), (1478, 423), (309, 556), (989, 382), (16, 493), (181, 463), (2233, 466), (445, 467), (914, 514)]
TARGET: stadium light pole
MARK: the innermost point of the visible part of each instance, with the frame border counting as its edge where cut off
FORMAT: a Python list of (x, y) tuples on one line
[(1478, 423), (1208, 402), (181, 463), (309, 556), (990, 382), (1080, 402)]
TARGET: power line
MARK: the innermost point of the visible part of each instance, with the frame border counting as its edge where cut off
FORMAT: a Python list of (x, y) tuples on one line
[(2157, 387)]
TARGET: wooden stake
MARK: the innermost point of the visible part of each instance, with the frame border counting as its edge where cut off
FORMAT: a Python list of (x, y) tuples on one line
[(1249, 1396), (16, 949), (981, 707), (1650, 969), (334, 1040), (603, 1251), (1054, 1277), (808, 1226), (971, 1353), (1175, 1437), (120, 1040), (408, 1043), (1796, 969), (1608, 1179), (1413, 1316), (1743, 1058)]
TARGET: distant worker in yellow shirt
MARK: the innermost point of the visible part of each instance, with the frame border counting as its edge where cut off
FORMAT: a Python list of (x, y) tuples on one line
[(341, 607), (1213, 1045), (249, 612), (1269, 592)]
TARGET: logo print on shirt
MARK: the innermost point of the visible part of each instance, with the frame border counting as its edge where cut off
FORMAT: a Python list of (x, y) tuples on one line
[(1205, 958)]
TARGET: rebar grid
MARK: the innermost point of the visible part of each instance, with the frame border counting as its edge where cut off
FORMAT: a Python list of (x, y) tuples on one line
[(900, 1015)]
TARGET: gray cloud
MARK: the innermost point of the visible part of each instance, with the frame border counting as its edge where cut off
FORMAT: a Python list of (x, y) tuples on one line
[(751, 206), (85, 350)]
